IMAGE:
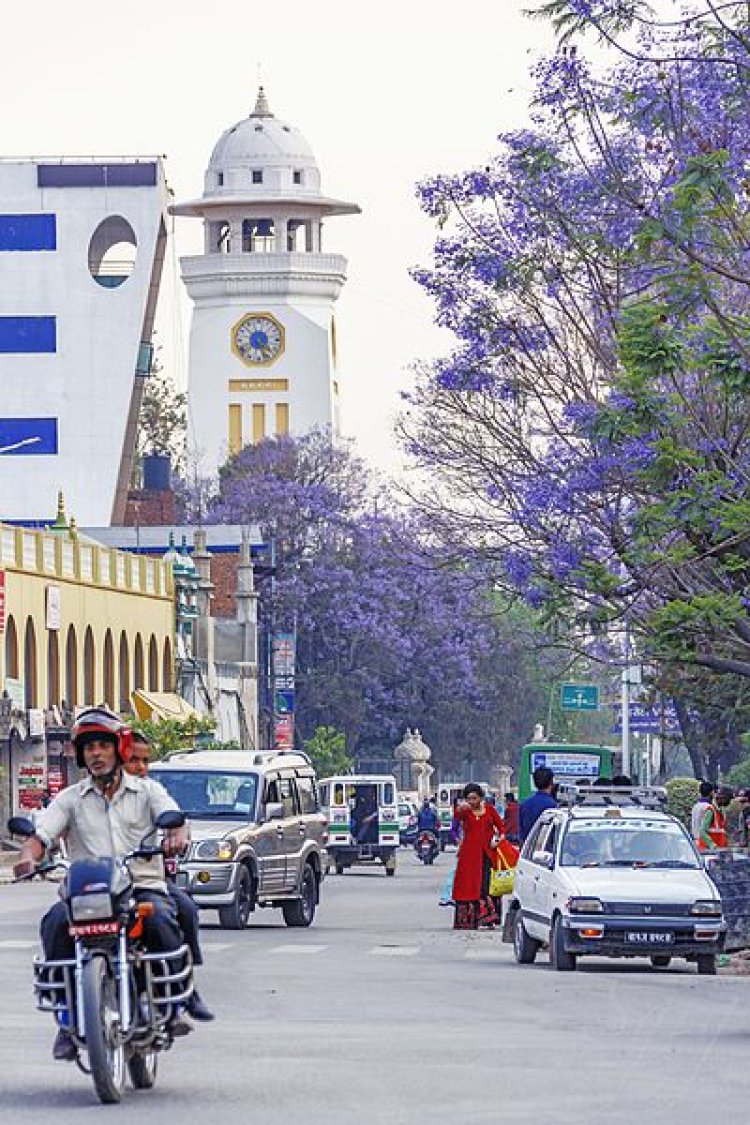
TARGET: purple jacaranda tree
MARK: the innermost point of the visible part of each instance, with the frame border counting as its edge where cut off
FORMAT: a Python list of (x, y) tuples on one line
[(589, 432), (389, 635)]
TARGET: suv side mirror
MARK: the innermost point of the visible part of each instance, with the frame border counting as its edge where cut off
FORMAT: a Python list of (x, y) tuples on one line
[(274, 810), (543, 859)]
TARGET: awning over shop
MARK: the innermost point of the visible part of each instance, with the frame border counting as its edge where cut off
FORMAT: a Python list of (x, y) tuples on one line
[(162, 705)]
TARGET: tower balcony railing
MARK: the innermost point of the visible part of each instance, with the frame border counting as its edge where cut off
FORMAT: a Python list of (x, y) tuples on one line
[(309, 262)]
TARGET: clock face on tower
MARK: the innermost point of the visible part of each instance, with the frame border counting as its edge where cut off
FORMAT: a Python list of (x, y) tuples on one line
[(258, 339)]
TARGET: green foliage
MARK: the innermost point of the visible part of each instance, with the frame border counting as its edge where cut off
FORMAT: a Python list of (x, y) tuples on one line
[(327, 750), (739, 776), (169, 736), (162, 421), (682, 793)]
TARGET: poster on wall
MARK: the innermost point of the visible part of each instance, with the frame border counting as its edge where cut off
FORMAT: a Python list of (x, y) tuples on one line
[(32, 783)]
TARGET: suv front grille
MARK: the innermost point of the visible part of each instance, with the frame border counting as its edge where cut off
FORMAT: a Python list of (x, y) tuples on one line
[(648, 909)]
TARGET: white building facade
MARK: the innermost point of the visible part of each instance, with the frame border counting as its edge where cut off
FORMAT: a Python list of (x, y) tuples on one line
[(81, 250), (263, 356)]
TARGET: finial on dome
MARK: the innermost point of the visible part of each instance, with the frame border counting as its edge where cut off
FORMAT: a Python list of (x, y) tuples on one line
[(61, 522), (262, 108)]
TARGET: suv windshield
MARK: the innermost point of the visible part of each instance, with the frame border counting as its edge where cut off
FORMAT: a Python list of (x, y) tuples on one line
[(211, 794), (626, 843)]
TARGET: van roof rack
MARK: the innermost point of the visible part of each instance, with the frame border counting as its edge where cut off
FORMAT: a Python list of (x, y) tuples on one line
[(641, 796)]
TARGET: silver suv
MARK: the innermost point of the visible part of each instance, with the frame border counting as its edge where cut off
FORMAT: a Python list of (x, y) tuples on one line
[(258, 836)]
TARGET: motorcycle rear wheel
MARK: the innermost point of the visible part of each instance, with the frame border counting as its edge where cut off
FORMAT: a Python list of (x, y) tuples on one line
[(101, 1019)]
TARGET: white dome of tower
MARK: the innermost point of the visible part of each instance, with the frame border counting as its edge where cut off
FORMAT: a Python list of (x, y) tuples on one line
[(262, 154)]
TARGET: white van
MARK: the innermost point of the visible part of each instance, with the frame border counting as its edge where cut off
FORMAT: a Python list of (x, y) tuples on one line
[(362, 811)]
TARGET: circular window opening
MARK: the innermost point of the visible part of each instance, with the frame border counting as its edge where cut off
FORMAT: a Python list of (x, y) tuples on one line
[(112, 252)]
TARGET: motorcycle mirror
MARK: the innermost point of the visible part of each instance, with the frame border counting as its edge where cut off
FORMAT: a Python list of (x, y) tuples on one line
[(20, 826), (171, 818)]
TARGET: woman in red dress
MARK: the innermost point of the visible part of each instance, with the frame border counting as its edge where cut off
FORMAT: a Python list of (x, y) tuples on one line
[(482, 826)]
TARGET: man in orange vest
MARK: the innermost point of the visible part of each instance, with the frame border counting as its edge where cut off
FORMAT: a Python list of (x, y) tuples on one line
[(713, 833)]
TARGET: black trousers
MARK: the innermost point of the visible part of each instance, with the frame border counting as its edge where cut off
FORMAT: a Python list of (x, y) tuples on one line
[(188, 917), (161, 932)]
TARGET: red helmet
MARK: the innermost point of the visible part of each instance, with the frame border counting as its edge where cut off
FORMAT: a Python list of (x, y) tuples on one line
[(99, 723)]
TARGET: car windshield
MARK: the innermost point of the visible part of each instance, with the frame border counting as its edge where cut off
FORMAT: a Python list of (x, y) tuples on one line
[(627, 843), (211, 794)]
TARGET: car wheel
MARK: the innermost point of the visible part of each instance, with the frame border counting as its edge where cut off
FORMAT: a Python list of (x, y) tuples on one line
[(236, 916), (301, 911), (525, 948), (661, 961), (560, 960), (706, 964)]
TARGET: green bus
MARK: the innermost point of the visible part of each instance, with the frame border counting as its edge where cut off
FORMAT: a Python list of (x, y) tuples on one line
[(569, 761)]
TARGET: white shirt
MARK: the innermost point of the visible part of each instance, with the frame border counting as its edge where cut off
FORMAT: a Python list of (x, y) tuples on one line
[(696, 816), (95, 827)]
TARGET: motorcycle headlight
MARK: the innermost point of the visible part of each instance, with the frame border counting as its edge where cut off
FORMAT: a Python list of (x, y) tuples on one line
[(580, 905), (93, 907), (215, 849), (707, 908)]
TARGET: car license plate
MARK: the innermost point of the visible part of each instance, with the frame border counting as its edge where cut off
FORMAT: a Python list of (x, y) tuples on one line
[(644, 937), (90, 929)]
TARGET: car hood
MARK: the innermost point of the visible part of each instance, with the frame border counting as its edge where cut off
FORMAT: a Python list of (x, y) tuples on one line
[(627, 884), (214, 829)]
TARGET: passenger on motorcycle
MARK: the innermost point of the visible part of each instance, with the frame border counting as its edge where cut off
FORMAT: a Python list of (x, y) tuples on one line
[(187, 911), (108, 813)]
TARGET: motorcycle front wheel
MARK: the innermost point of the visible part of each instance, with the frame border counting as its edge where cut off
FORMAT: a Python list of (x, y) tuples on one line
[(101, 1019)]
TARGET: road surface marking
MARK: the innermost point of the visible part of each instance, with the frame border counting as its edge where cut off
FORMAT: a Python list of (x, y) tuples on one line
[(486, 954), (294, 949), (19, 944), (394, 951), (217, 946)]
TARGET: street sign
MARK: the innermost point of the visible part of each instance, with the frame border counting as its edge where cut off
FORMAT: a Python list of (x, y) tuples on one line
[(647, 719), (579, 697), (284, 702)]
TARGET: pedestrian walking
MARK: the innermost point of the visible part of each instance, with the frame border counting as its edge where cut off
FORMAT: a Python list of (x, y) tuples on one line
[(510, 817), (533, 807), (481, 827), (706, 791), (713, 835)]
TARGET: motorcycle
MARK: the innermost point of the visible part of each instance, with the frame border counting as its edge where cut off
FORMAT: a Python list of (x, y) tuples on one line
[(114, 997), (427, 846)]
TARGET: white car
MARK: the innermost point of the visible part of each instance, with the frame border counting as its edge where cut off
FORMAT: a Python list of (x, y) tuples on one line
[(612, 875)]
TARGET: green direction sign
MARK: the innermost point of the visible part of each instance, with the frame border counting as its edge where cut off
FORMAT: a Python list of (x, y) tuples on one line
[(579, 697)]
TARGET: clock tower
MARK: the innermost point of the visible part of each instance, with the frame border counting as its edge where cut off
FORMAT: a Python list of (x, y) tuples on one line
[(263, 356)]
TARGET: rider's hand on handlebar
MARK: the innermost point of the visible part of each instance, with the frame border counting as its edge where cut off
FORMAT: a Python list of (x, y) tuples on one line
[(175, 841)]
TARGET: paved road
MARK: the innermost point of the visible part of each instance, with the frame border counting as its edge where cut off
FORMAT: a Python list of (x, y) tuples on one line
[(381, 1015)]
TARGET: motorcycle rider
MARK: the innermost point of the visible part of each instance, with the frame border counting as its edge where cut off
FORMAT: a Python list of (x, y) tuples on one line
[(109, 812), (427, 818), (187, 911)]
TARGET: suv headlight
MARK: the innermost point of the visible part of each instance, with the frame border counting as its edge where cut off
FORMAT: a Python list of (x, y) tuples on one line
[(215, 849), (707, 908), (580, 905)]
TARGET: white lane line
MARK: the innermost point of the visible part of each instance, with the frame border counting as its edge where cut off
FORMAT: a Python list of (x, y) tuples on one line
[(294, 949), (19, 944), (394, 951), (216, 946)]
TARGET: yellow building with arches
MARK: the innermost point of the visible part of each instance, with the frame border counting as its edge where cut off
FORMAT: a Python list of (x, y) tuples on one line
[(82, 624)]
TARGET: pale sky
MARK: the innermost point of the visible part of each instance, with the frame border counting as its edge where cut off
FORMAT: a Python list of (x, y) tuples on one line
[(385, 94)]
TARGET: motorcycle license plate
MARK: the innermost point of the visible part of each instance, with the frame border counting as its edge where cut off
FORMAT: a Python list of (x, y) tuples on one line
[(643, 937), (90, 928)]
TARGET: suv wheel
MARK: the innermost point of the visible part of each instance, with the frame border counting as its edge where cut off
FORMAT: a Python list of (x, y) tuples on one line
[(235, 917), (706, 964), (559, 959), (302, 911), (525, 948), (661, 960)]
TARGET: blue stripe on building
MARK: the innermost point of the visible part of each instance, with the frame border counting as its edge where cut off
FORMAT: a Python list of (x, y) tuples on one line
[(22, 334), (27, 436), (137, 174), (28, 232)]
